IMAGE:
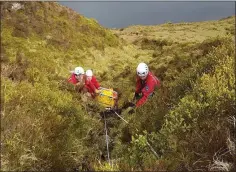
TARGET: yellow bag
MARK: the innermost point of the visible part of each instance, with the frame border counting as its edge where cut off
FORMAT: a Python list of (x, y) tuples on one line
[(107, 97)]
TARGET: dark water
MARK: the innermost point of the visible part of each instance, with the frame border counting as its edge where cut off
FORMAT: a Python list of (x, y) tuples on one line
[(122, 14)]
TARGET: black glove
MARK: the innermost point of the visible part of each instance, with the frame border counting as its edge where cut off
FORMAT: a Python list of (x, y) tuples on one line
[(136, 95), (128, 104), (131, 111), (131, 104), (131, 108)]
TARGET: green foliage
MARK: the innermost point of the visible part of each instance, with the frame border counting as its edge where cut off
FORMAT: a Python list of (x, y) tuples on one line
[(47, 125), (202, 113), (58, 28), (106, 167), (42, 126), (152, 44), (230, 30), (194, 101)]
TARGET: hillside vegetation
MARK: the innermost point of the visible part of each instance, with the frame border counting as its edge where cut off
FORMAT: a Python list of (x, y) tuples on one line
[(46, 125)]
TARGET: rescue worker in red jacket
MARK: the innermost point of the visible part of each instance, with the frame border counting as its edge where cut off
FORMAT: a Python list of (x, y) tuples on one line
[(91, 83), (146, 83), (77, 78)]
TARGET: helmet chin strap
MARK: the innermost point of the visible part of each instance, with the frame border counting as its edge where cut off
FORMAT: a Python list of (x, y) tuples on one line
[(143, 77)]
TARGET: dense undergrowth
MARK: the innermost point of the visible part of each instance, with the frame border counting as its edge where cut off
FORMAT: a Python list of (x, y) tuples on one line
[(190, 119), (46, 125)]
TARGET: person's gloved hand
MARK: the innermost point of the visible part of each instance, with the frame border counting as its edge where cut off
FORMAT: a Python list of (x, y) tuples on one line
[(131, 104), (97, 91), (130, 110), (88, 94), (126, 105), (136, 96)]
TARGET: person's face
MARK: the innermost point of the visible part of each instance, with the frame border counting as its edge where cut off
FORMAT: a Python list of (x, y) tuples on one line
[(142, 77), (79, 77), (89, 78)]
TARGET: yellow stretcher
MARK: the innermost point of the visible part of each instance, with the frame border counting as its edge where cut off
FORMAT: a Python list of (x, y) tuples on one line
[(107, 97)]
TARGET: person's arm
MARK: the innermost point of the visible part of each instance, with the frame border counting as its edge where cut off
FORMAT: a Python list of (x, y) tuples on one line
[(91, 86), (88, 87), (96, 83), (72, 79), (146, 91), (80, 85), (137, 90)]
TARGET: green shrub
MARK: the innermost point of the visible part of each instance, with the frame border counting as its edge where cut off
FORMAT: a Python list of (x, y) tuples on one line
[(153, 43), (191, 123)]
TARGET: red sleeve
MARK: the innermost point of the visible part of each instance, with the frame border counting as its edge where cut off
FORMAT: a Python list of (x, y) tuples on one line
[(91, 85), (88, 87), (72, 79), (95, 82), (138, 85), (146, 91)]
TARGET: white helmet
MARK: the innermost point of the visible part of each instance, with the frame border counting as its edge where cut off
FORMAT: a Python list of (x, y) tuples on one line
[(79, 70), (89, 73), (142, 70)]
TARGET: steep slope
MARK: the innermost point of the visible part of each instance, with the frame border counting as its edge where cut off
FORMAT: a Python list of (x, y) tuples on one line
[(47, 126), (190, 119), (57, 24), (44, 32)]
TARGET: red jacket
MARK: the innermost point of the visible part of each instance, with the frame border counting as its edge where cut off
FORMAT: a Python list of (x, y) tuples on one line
[(92, 85), (73, 79), (146, 87)]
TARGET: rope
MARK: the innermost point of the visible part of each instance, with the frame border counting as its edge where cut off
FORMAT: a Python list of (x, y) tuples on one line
[(120, 116), (107, 139), (154, 152)]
